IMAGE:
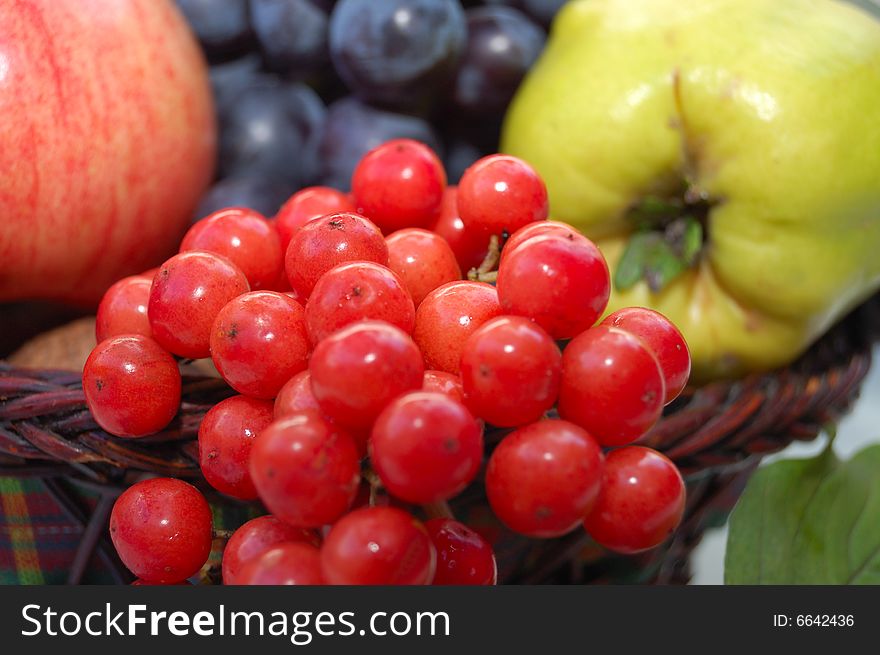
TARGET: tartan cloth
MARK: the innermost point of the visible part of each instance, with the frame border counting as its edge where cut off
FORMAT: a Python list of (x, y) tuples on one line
[(38, 541)]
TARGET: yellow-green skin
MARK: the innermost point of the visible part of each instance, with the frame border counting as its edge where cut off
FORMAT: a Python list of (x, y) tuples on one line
[(770, 107)]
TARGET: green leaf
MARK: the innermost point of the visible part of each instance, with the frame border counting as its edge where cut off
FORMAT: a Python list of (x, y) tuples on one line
[(685, 235), (809, 521), (631, 266), (650, 258), (659, 257), (662, 265)]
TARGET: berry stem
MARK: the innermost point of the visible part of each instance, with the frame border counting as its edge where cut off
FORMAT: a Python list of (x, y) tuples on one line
[(438, 510), (375, 483), (487, 271)]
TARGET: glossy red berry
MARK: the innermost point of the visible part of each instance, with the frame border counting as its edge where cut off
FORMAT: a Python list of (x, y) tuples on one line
[(463, 556), (423, 260), (448, 316), (259, 341), (162, 530), (354, 292), (226, 435), (641, 502), (296, 395), (470, 246), (663, 339), (132, 386), (306, 469), (426, 447), (245, 238), (399, 184), (284, 564), (544, 478), (256, 537), (561, 283), (539, 228), (612, 385), (445, 383), (500, 194), (378, 546), (306, 205), (123, 309), (328, 241), (187, 293), (510, 371), (358, 370)]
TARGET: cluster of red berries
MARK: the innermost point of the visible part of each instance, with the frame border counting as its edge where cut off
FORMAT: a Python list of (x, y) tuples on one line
[(367, 369)]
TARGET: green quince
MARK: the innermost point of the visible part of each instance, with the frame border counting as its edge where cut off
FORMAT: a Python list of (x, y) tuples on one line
[(724, 154)]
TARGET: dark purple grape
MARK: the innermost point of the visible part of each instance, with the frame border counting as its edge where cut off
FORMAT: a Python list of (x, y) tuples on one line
[(460, 155), (292, 34), (230, 78), (502, 45), (272, 131), (396, 52), (353, 128), (543, 11), (222, 26), (262, 194)]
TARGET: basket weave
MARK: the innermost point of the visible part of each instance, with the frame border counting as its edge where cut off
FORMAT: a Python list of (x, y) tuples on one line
[(716, 434)]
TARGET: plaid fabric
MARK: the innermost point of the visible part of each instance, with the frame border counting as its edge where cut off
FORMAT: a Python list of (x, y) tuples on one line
[(38, 541)]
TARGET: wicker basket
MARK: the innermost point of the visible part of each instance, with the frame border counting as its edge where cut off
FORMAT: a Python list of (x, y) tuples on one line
[(716, 434)]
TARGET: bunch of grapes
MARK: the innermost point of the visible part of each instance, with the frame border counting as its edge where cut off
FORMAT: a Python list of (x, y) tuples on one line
[(304, 88), (368, 371)]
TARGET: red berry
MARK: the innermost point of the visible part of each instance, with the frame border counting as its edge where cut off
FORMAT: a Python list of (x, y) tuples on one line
[(356, 291), (188, 292), (470, 246), (510, 370), (296, 395), (378, 546), (284, 564), (327, 242), (612, 385), (539, 228), (544, 478), (399, 184), (123, 309), (306, 205), (162, 530), (357, 371), (423, 260), (463, 556), (641, 502), (226, 435), (244, 237), (426, 447), (306, 469), (499, 194), (256, 537), (443, 382), (259, 341), (561, 283), (448, 316), (131, 385), (663, 339)]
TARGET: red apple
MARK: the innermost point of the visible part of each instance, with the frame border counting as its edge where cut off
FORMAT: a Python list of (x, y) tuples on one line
[(107, 140)]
